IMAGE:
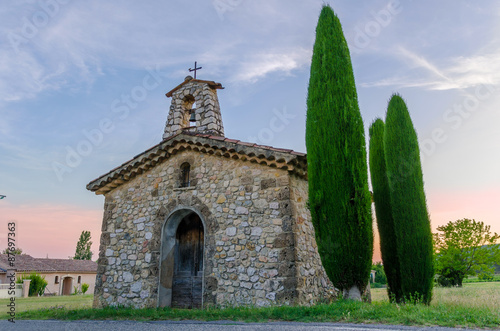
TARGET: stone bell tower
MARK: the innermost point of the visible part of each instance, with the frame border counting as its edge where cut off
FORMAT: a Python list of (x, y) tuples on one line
[(194, 108)]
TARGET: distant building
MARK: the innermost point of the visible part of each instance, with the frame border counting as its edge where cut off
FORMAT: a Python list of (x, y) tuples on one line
[(62, 275)]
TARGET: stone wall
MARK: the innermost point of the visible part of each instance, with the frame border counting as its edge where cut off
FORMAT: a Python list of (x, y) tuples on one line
[(313, 285), (207, 113), (258, 248)]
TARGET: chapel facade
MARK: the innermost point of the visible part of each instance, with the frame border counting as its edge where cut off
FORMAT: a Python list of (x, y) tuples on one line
[(200, 219)]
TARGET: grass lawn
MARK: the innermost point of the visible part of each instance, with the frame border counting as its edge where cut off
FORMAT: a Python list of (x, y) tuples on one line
[(475, 279), (66, 301), (474, 305), (474, 295)]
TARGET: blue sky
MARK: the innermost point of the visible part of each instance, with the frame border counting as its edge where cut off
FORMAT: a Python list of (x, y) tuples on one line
[(66, 68)]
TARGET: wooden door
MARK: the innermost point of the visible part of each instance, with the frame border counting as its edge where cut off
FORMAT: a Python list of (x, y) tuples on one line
[(188, 264), (66, 286)]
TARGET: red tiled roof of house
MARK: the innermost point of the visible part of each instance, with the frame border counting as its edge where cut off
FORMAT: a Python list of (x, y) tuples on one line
[(27, 263)]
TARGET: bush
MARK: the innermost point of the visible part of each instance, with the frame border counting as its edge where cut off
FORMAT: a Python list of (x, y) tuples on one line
[(37, 285), (85, 287), (488, 277), (380, 276)]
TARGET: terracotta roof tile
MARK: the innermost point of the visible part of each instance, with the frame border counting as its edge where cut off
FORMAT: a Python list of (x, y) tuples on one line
[(231, 140), (28, 263), (284, 150), (213, 137), (102, 181), (247, 144)]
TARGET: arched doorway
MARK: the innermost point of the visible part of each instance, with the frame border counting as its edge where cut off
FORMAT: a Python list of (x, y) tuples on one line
[(188, 263), (181, 270), (67, 284)]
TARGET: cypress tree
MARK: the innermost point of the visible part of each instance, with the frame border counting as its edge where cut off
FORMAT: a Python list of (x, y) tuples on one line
[(383, 210), (339, 199), (409, 209)]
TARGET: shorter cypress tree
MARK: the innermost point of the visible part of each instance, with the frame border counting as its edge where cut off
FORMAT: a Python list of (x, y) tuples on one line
[(383, 211), (408, 203)]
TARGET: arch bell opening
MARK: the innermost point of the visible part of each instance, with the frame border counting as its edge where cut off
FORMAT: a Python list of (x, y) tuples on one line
[(182, 260)]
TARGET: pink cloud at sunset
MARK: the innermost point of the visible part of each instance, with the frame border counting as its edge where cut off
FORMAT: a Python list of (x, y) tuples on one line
[(51, 230)]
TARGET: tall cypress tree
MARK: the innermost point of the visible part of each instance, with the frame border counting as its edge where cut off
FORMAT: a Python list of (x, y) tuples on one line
[(383, 210), (339, 199), (409, 209)]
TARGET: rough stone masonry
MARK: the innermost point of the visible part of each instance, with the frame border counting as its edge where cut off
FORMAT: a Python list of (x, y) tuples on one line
[(253, 243)]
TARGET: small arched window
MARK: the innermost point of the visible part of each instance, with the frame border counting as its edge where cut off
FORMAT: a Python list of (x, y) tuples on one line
[(79, 279), (185, 169), (56, 281)]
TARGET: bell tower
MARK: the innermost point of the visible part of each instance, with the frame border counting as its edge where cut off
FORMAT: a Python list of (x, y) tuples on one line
[(194, 108)]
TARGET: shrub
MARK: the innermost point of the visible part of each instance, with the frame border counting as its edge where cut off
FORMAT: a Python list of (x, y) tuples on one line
[(37, 284), (485, 277), (85, 287), (380, 276)]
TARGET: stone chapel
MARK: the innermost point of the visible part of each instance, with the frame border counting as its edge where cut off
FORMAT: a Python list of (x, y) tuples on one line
[(201, 219)]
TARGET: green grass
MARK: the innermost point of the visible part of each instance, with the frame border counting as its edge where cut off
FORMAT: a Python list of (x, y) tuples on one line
[(496, 278), (67, 301), (474, 305)]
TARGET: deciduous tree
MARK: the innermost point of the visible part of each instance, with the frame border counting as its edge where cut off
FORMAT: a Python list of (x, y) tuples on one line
[(464, 248)]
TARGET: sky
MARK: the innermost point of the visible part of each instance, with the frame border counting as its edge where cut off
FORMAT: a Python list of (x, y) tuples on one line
[(67, 66)]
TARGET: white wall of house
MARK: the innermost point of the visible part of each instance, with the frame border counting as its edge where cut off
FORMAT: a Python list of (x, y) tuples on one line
[(4, 291), (56, 287)]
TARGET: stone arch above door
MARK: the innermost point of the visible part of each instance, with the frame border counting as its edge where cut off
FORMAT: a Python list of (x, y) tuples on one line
[(66, 285), (168, 247)]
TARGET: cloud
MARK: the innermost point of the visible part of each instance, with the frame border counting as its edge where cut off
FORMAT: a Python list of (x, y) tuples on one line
[(259, 65), (82, 41), (458, 72)]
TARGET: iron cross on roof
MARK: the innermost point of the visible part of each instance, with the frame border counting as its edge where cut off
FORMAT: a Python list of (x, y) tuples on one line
[(190, 70)]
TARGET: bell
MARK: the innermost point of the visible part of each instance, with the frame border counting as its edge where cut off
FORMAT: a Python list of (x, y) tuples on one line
[(193, 117)]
